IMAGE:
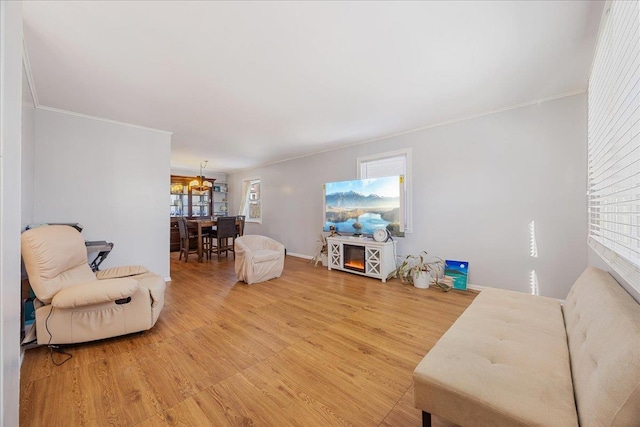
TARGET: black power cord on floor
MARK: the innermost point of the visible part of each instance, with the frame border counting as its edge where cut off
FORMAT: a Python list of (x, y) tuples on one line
[(55, 347), (61, 351)]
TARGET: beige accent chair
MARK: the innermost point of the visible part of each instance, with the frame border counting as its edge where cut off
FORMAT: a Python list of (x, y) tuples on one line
[(258, 258), (73, 304)]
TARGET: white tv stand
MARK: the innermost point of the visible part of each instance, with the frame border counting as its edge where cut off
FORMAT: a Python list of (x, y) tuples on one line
[(379, 257)]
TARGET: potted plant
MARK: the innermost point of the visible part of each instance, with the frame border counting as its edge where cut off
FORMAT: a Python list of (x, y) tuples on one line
[(421, 270), (321, 251)]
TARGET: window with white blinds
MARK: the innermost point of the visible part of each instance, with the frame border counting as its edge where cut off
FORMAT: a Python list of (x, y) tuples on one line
[(251, 202), (614, 141), (390, 164)]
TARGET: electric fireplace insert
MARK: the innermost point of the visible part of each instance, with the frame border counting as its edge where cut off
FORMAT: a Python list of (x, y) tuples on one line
[(353, 257)]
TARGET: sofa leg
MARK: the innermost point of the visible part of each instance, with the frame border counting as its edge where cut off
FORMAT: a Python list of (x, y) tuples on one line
[(426, 419)]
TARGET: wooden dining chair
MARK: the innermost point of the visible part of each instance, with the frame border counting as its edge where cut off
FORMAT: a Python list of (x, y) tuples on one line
[(186, 238), (226, 229), (208, 235), (240, 227)]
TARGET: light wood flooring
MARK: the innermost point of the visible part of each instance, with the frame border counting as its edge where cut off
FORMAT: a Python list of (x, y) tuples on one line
[(312, 348)]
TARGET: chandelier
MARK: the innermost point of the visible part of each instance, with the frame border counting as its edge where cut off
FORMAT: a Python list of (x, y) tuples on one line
[(199, 183)]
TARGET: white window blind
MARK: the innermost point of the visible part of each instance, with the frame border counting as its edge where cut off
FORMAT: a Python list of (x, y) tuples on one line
[(614, 142), (390, 166), (251, 202)]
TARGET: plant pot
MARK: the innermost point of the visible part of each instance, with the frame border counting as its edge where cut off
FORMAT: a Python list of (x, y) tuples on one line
[(421, 279), (324, 259)]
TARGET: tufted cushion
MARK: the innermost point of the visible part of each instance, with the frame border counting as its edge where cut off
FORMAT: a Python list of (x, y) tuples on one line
[(603, 327), (504, 362)]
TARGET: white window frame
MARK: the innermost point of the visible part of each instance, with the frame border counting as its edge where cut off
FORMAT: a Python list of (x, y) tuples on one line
[(406, 153), (245, 200), (614, 142)]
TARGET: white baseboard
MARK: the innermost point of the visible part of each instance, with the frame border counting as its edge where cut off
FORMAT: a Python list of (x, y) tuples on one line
[(167, 279), (476, 287), (480, 288), (299, 255)]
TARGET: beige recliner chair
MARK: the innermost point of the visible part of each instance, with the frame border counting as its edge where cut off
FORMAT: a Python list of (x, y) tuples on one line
[(258, 258), (73, 304)]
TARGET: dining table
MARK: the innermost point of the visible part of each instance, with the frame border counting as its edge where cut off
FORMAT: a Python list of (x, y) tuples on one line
[(201, 223)]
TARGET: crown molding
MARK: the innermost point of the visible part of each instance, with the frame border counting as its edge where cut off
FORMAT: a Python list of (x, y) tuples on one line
[(393, 135), (101, 119), (485, 113), (32, 88), (27, 68)]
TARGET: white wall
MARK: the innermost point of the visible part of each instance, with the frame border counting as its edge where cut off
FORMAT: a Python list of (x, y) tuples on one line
[(28, 153), (478, 184), (291, 197), (10, 207), (111, 178)]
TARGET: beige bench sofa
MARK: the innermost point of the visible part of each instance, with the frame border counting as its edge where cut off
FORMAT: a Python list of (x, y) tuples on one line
[(513, 359)]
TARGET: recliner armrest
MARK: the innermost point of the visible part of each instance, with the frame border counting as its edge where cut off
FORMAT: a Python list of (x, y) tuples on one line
[(95, 292), (124, 271)]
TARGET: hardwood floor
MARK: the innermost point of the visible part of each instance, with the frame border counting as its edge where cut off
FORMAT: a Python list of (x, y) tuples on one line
[(312, 348)]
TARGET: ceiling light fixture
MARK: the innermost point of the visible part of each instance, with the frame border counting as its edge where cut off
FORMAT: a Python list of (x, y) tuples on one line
[(199, 183)]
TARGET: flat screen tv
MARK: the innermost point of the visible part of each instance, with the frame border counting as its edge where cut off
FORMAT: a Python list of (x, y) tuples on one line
[(366, 203)]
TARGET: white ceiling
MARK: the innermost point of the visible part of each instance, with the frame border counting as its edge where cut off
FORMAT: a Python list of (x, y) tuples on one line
[(248, 83)]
